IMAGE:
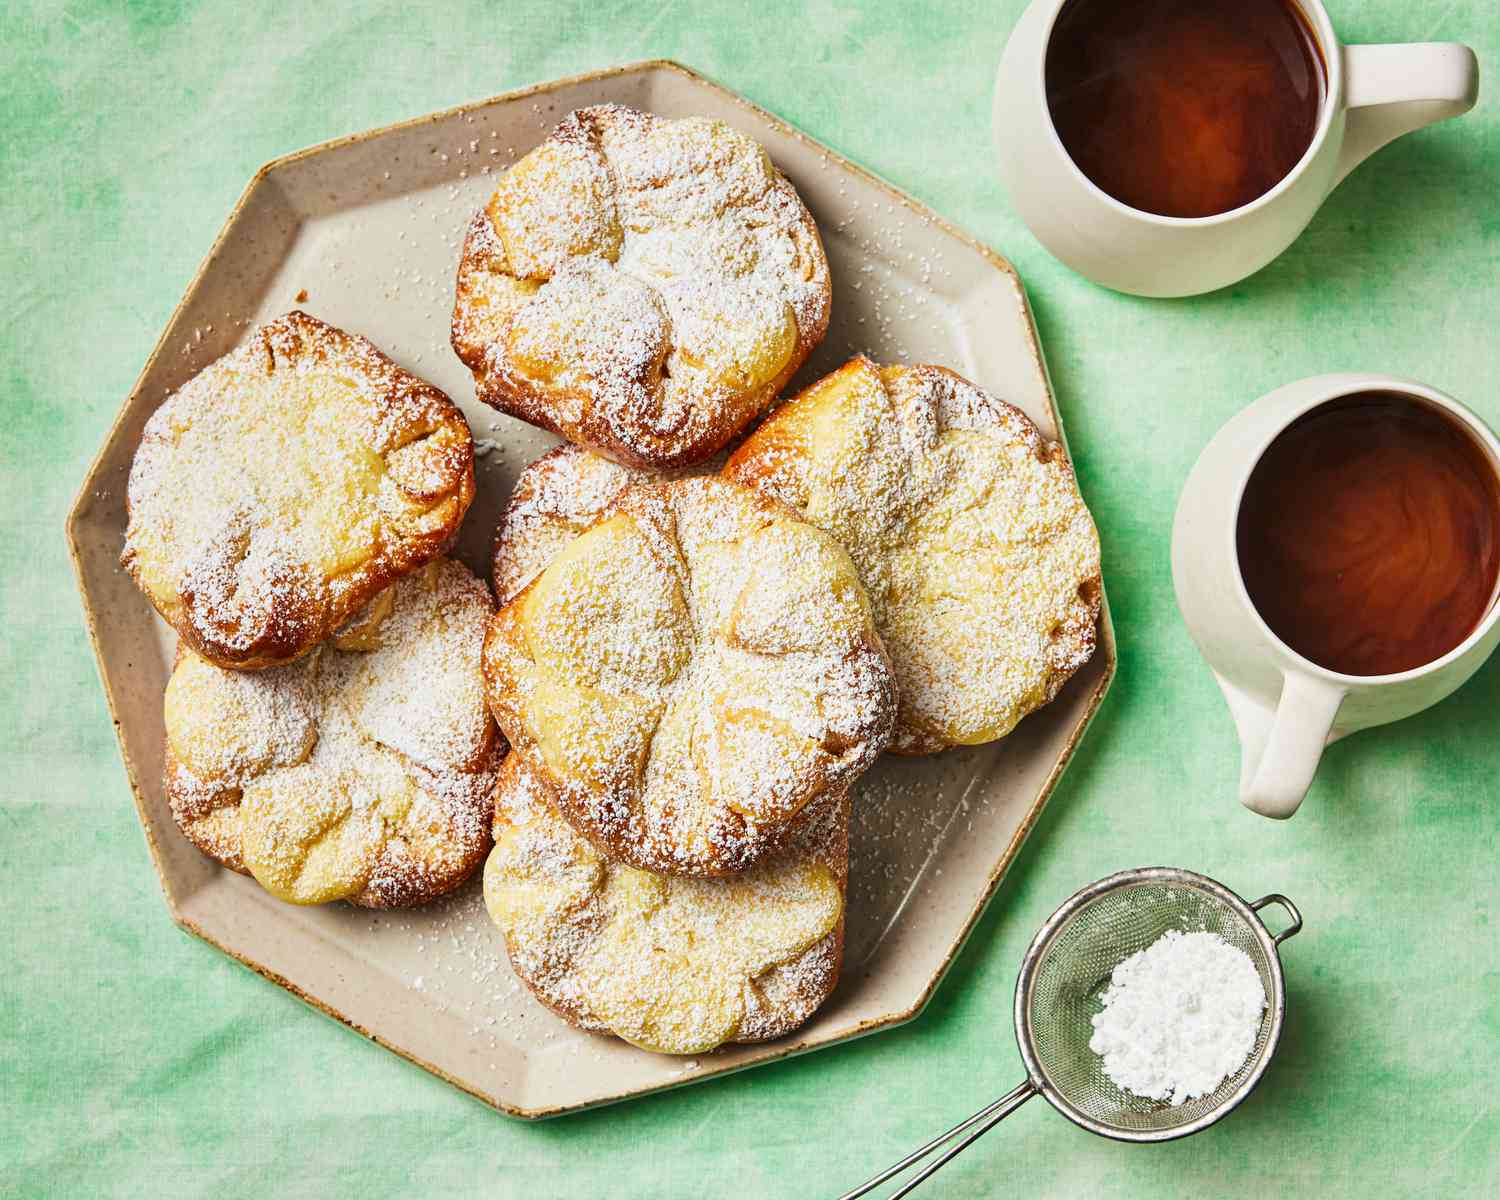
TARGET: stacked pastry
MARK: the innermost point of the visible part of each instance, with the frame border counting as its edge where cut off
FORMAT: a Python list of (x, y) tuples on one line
[(693, 658), (693, 666), (325, 720)]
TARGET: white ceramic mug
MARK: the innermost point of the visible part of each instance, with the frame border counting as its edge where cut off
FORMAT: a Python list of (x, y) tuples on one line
[(1374, 95), (1286, 707)]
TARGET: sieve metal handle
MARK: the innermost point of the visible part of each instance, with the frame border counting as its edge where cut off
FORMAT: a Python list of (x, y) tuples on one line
[(1291, 909), (985, 1120)]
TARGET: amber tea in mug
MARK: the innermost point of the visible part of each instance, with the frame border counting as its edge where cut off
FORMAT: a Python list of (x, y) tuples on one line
[(1369, 534), (1185, 108)]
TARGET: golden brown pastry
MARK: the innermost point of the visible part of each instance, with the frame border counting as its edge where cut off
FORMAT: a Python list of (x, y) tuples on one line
[(287, 484), (968, 530), (556, 498), (674, 965), (642, 286), (359, 774), (690, 673)]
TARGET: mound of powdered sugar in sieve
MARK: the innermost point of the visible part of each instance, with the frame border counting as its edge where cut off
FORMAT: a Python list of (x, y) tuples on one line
[(1179, 1017)]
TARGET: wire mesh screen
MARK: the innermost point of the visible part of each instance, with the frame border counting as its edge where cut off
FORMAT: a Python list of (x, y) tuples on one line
[(1073, 972)]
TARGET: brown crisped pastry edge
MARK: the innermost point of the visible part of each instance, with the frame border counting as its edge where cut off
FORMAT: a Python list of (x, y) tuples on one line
[(511, 394), (545, 504), (398, 881), (813, 975), (296, 627), (616, 833), (755, 463)]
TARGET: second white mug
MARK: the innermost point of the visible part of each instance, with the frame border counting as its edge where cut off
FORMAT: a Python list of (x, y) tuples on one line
[(1286, 707)]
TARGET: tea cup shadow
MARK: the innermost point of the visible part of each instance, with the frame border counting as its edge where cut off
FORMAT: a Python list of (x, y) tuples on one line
[(1294, 1082), (1425, 741), (1386, 216)]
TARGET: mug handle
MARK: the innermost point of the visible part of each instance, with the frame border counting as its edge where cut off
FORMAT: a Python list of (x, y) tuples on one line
[(1281, 754), (1395, 89)]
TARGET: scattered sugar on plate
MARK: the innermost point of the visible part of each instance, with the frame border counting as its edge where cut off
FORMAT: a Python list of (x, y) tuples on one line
[(1179, 1017)]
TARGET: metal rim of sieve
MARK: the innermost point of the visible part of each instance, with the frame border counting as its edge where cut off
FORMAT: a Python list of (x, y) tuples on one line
[(947, 1146), (1084, 899)]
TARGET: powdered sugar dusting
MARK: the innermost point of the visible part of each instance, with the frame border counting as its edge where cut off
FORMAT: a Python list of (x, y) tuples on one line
[(672, 964), (285, 485), (689, 674), (981, 561), (641, 285), (363, 775), (554, 499)]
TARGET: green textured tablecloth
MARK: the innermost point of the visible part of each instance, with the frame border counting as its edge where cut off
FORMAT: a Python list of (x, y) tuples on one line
[(135, 1060)]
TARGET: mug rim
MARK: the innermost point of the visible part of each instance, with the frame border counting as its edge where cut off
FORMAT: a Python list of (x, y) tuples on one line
[(1338, 388), (1333, 99)]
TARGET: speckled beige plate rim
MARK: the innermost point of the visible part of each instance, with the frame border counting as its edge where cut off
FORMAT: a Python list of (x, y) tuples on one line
[(771, 1052)]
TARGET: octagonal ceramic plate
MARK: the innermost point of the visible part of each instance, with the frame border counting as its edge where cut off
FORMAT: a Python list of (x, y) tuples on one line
[(365, 233)]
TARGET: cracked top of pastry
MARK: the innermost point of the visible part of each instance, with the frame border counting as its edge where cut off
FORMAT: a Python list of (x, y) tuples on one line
[(363, 774), (689, 673), (968, 530), (671, 964), (285, 485), (642, 286)]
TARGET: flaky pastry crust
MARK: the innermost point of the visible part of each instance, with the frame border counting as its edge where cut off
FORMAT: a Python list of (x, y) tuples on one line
[(287, 484), (641, 286), (980, 558), (363, 774), (688, 674), (674, 965), (555, 498)]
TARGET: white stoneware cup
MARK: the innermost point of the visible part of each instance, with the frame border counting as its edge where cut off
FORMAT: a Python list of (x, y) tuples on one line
[(1375, 94), (1286, 707)]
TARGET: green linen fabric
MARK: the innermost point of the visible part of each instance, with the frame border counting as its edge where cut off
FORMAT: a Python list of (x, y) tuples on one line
[(137, 1061)]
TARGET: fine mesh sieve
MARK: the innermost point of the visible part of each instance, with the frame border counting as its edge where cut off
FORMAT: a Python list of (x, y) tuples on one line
[(1062, 981)]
